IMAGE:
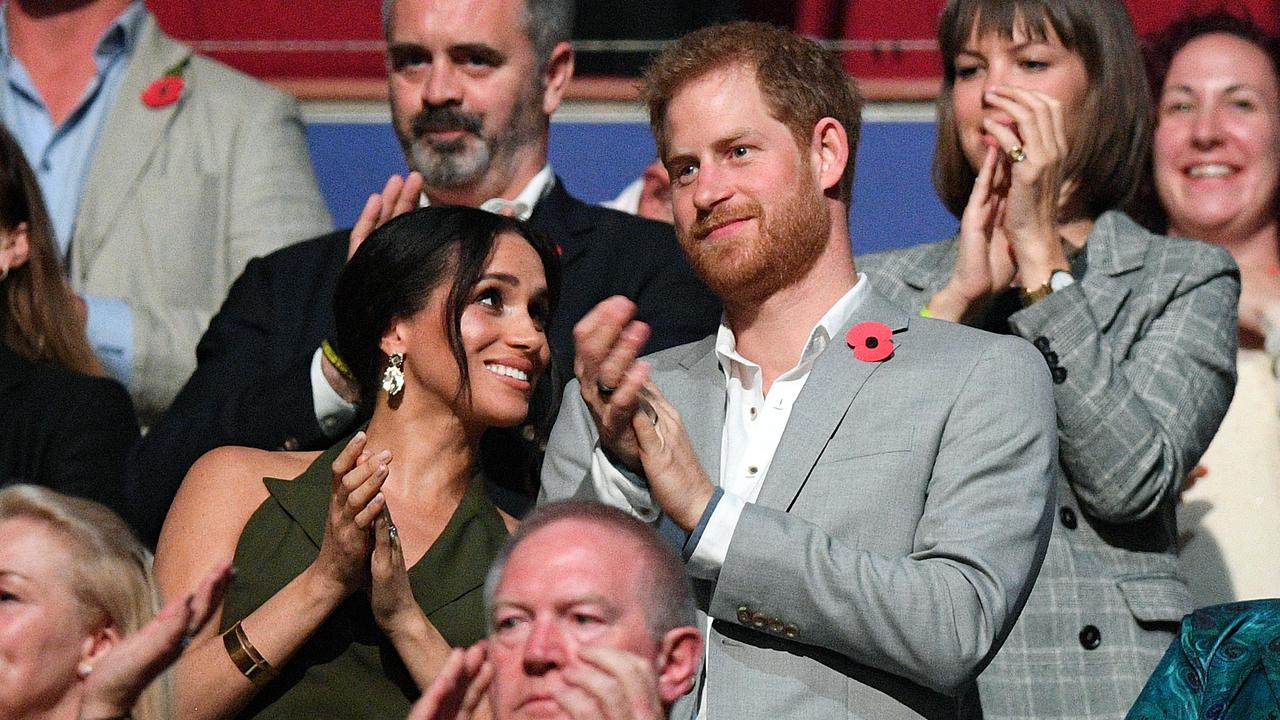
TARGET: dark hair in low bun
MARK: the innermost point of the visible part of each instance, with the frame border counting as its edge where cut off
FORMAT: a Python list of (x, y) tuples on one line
[(395, 269)]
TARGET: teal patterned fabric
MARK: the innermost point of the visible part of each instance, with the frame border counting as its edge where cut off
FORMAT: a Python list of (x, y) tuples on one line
[(1225, 665)]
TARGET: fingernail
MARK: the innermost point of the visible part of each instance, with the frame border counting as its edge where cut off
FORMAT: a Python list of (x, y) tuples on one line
[(384, 456), (359, 436)]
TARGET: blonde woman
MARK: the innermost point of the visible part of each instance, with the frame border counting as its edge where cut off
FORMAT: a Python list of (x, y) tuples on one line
[(79, 634)]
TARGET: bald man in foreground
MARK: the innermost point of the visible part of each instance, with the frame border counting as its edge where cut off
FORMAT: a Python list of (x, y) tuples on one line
[(590, 616)]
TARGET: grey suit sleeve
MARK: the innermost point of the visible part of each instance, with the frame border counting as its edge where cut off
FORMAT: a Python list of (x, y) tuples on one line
[(566, 467), (936, 615), (1133, 426)]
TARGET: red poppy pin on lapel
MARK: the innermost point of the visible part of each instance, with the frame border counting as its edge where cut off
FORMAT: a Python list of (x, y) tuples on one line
[(871, 341), (167, 88)]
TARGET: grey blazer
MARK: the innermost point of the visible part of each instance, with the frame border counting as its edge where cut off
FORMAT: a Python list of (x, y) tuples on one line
[(178, 200), (1142, 349), (896, 535)]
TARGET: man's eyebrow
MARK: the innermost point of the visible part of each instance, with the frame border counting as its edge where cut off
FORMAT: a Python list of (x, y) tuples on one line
[(484, 51)]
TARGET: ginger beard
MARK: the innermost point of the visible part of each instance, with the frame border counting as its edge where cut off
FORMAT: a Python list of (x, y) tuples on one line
[(791, 238)]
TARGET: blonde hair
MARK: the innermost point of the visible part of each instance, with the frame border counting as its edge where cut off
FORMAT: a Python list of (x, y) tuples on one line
[(110, 573)]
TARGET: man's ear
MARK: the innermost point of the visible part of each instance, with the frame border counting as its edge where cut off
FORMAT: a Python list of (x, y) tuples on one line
[(555, 76), (14, 247), (678, 660), (829, 152)]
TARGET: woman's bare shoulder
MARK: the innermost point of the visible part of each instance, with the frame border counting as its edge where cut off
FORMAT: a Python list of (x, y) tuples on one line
[(217, 497)]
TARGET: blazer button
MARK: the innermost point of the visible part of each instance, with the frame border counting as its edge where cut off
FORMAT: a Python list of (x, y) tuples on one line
[(775, 626), (291, 444), (1059, 375), (1051, 358), (744, 615), (1042, 344), (759, 620), (1068, 518), (1090, 637), (791, 631)]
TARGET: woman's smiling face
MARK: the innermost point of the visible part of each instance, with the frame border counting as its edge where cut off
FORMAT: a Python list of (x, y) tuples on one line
[(1217, 141)]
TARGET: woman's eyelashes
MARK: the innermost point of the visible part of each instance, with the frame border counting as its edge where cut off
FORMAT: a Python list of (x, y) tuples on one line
[(490, 297), (496, 299)]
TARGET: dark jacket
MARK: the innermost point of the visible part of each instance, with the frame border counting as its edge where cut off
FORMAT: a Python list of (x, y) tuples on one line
[(63, 430)]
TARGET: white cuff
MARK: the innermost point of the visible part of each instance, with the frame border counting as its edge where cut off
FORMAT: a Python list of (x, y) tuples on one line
[(616, 489), (713, 547), (332, 412)]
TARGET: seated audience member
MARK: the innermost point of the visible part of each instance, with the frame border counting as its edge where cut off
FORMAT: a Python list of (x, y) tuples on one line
[(1216, 171), (1044, 123), (263, 378), (648, 196), (1221, 665), (590, 616), (442, 318), (77, 633), (862, 495), (164, 172), (62, 425)]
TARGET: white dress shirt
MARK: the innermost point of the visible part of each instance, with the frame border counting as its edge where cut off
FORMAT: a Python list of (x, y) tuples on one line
[(753, 425)]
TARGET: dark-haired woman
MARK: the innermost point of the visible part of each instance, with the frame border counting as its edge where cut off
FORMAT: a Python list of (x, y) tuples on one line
[(62, 424), (1044, 128), (1216, 177), (440, 318)]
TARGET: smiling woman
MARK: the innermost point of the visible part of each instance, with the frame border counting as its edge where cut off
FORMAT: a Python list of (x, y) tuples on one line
[(441, 319), (1215, 176)]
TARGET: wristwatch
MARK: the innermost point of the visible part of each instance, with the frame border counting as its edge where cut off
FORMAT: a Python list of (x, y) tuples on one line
[(1058, 280)]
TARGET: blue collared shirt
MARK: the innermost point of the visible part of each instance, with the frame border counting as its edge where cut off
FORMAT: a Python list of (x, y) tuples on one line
[(62, 155)]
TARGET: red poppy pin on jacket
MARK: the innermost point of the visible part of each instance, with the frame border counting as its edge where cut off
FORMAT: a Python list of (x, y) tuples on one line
[(870, 341), (167, 88)]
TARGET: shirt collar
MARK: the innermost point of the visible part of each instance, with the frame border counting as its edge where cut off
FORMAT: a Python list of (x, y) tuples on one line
[(119, 37), (522, 206), (820, 336)]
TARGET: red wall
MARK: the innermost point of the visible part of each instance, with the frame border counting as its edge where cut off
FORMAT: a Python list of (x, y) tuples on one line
[(294, 40)]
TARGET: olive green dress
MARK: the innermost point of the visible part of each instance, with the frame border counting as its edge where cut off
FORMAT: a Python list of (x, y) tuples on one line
[(348, 668)]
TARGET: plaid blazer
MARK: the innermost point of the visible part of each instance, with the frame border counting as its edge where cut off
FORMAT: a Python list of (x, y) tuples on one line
[(1142, 349)]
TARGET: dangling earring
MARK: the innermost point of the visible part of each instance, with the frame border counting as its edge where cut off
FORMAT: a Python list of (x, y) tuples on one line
[(84, 670), (393, 376)]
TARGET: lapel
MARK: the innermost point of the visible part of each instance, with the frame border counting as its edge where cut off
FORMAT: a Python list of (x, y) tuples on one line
[(833, 385), (454, 565), (557, 216), (129, 139), (1116, 246), (702, 396)]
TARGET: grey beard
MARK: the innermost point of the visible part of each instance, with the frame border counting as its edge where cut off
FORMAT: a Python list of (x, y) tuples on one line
[(451, 165)]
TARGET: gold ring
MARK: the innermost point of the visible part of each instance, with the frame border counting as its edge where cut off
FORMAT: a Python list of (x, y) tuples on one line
[(1017, 154)]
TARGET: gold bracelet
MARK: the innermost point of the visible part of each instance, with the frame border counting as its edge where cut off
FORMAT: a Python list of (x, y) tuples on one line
[(336, 360), (246, 657)]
